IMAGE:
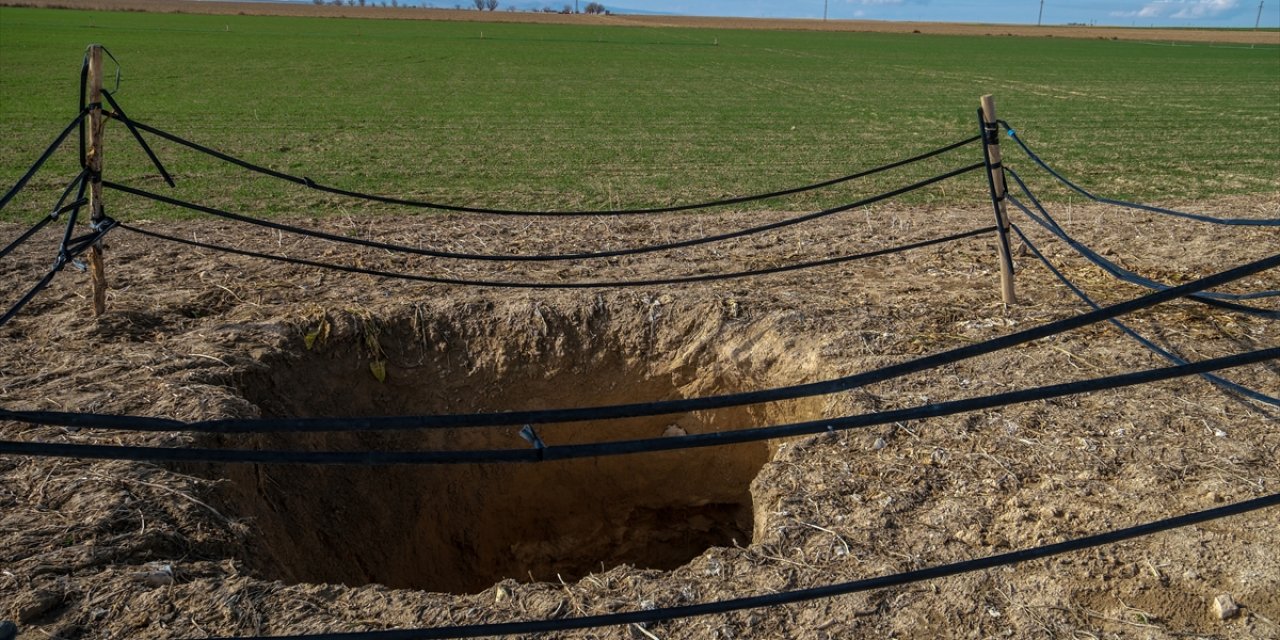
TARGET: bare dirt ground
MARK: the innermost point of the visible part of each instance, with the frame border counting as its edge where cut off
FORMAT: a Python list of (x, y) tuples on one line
[(135, 550), (1219, 36)]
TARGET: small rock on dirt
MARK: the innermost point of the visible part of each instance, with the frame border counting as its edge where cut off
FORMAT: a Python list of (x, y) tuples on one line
[(157, 576), (1225, 607)]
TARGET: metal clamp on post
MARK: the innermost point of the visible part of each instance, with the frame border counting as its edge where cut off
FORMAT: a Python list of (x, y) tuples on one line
[(990, 133), (531, 436), (103, 225)]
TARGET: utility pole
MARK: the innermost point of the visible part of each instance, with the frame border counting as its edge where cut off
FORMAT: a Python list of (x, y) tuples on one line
[(825, 2), (1041, 18), (1258, 22)]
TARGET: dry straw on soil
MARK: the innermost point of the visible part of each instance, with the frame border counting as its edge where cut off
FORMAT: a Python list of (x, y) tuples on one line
[(113, 550)]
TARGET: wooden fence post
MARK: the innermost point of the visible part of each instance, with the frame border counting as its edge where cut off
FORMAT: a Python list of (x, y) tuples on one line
[(999, 191), (97, 269)]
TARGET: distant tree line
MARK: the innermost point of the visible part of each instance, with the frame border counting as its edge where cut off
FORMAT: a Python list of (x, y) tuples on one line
[(594, 8)]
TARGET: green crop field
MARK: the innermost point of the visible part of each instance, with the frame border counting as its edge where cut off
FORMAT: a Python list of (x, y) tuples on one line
[(539, 116)]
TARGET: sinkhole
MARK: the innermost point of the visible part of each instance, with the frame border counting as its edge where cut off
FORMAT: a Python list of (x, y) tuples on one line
[(461, 528)]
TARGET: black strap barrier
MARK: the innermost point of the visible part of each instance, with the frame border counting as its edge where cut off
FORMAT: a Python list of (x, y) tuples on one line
[(1139, 338), (58, 209), (711, 277), (57, 142), (26, 235), (61, 207), (799, 595), (1246, 222), (626, 447), (30, 294), (1101, 262), (636, 410), (1208, 298), (84, 109), (71, 247), (137, 135), (1121, 274), (613, 253), (74, 208), (423, 204)]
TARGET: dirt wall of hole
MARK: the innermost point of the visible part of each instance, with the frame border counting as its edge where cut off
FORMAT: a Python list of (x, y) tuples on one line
[(461, 528)]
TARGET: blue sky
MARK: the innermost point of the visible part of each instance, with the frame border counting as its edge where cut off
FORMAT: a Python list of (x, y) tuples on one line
[(1181, 13)]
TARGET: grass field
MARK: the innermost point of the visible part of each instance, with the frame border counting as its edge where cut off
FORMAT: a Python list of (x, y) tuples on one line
[(542, 116)]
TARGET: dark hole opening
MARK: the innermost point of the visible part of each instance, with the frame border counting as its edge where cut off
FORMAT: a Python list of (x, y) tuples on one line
[(461, 528)]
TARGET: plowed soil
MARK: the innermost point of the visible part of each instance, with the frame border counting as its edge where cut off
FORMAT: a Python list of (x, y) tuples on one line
[(94, 549), (1221, 36)]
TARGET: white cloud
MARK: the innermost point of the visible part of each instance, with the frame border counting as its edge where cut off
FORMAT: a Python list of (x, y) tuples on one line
[(1207, 9), (1181, 9)]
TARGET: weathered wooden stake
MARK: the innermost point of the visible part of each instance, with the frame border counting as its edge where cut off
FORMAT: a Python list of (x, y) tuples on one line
[(998, 196), (97, 269)]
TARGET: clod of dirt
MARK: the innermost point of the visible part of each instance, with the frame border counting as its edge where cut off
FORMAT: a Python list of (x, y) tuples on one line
[(35, 604)]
